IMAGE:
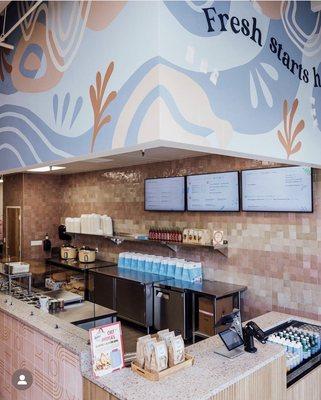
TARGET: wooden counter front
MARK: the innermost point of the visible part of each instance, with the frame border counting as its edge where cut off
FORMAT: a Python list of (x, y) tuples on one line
[(94, 392), (307, 388), (267, 383)]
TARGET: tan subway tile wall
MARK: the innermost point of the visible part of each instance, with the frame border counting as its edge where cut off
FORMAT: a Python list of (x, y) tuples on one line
[(277, 255)]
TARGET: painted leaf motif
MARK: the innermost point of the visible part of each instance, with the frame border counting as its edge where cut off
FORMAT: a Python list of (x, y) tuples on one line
[(92, 97), (109, 71), (285, 118), (106, 120), (98, 84), (112, 96), (298, 129), (296, 148), (282, 140), (293, 111), (287, 138), (97, 101)]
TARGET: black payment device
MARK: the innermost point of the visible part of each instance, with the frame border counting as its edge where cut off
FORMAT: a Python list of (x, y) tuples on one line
[(231, 339), (251, 331)]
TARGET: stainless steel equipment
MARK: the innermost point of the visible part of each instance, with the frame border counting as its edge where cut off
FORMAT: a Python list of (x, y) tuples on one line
[(18, 267), (134, 301), (87, 255), (10, 278), (67, 296), (128, 292), (173, 309), (68, 252)]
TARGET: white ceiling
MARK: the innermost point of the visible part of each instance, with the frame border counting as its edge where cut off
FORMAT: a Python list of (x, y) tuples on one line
[(316, 6), (152, 155)]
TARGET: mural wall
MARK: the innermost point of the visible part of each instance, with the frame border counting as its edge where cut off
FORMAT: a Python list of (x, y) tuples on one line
[(88, 77)]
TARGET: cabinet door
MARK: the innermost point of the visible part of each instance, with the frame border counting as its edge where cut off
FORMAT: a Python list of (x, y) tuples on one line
[(130, 301), (169, 310), (103, 293), (224, 306), (206, 315)]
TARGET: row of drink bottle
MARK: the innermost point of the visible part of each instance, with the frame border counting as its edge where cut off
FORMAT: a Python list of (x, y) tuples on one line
[(166, 266), (300, 345)]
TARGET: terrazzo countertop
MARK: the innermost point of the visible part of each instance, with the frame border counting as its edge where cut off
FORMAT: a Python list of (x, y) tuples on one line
[(209, 375), (68, 335)]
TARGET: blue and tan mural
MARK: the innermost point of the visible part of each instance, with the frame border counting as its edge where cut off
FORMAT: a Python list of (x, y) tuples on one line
[(89, 77)]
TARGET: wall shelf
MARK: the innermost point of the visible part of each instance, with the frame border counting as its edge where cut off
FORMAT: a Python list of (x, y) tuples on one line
[(118, 239)]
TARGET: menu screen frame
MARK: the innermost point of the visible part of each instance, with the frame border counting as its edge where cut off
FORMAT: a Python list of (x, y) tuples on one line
[(217, 173), (278, 211), (165, 210)]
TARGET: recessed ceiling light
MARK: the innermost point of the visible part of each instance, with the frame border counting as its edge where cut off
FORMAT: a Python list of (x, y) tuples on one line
[(46, 169), (99, 160)]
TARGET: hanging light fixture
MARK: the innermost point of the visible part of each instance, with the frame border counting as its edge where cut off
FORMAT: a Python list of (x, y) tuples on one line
[(2, 36), (5, 34)]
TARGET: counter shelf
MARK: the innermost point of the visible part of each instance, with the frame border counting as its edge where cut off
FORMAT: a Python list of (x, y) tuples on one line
[(118, 239), (11, 277)]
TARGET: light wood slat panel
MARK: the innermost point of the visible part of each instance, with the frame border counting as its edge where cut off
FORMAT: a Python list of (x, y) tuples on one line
[(307, 388), (94, 392), (268, 383)]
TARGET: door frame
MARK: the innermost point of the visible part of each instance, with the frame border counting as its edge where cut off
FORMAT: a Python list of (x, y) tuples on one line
[(20, 233)]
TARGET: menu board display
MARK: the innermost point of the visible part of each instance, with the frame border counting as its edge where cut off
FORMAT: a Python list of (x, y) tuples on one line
[(287, 189), (165, 194), (213, 192)]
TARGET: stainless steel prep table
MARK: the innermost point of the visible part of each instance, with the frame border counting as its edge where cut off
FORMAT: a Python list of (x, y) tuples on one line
[(127, 291), (215, 291), (77, 265)]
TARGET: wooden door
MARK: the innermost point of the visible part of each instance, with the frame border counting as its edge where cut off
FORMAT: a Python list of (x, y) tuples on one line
[(13, 233)]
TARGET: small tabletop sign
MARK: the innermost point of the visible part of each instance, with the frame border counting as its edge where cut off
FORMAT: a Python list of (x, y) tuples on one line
[(107, 348)]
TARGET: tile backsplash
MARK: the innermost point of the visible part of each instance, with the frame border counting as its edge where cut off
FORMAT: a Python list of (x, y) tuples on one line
[(276, 255)]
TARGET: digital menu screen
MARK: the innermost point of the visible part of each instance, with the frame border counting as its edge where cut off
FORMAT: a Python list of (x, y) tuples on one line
[(165, 194), (287, 189), (213, 192)]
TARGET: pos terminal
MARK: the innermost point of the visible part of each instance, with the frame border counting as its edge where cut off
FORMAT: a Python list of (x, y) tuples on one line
[(238, 339)]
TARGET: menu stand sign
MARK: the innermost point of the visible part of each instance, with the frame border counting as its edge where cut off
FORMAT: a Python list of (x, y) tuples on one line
[(107, 349)]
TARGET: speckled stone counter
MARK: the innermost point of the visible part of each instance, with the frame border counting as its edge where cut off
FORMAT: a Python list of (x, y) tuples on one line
[(210, 374), (63, 333)]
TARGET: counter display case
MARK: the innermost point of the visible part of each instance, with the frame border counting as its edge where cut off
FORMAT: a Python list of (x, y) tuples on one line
[(71, 280), (303, 347), (72, 275)]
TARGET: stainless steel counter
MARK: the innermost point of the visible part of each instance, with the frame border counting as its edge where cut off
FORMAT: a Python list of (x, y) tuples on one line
[(130, 275), (75, 264), (210, 288)]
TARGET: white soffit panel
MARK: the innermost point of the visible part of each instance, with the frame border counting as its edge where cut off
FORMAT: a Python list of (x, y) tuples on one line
[(316, 6)]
